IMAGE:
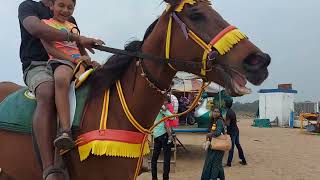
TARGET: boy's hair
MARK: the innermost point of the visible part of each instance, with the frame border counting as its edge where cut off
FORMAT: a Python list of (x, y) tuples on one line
[(74, 1)]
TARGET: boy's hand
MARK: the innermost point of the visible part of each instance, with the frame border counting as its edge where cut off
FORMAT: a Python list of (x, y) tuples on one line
[(86, 59), (88, 43)]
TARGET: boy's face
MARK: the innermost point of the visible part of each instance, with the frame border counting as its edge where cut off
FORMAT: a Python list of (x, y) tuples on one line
[(62, 9)]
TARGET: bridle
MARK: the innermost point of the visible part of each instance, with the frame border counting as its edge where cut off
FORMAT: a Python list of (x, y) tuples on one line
[(219, 45), (222, 43)]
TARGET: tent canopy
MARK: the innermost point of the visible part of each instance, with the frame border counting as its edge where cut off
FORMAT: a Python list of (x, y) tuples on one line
[(186, 82)]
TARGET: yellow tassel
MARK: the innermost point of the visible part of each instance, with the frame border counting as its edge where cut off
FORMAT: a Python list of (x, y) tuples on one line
[(230, 39), (112, 148)]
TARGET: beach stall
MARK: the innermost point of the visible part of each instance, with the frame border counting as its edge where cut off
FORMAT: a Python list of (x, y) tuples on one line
[(277, 105)]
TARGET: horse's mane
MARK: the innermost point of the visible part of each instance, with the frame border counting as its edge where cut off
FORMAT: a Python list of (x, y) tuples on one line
[(106, 76)]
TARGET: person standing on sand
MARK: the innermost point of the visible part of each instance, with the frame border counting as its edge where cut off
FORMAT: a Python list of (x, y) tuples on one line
[(212, 168), (233, 131), (162, 140)]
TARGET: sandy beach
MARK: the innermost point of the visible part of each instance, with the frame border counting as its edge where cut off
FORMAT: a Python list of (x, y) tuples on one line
[(272, 154)]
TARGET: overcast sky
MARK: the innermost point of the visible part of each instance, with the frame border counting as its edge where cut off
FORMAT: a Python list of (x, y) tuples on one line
[(289, 30)]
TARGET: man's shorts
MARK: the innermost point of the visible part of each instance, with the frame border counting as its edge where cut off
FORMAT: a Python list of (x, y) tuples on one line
[(41, 71)]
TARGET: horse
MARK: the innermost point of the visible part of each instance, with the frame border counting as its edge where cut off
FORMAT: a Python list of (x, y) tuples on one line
[(189, 36)]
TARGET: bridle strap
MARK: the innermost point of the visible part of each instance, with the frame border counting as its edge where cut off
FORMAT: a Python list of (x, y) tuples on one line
[(150, 57), (182, 25), (188, 32)]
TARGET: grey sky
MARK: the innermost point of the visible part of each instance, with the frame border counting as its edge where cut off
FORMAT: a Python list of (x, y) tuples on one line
[(286, 29)]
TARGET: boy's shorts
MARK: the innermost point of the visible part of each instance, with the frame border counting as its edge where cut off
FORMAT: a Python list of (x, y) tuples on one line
[(41, 71)]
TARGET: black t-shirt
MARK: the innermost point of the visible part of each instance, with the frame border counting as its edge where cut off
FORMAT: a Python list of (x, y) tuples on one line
[(31, 48), (232, 129)]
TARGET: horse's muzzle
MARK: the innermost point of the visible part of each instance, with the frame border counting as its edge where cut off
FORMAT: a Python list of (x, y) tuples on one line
[(255, 66)]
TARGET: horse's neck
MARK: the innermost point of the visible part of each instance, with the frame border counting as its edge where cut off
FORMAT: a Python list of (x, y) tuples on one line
[(144, 101)]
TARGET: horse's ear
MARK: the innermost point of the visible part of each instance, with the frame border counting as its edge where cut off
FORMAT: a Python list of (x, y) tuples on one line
[(172, 2)]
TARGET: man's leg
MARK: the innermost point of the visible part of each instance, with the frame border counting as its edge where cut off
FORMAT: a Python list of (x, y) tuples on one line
[(240, 151), (230, 156), (155, 156), (166, 157), (44, 122)]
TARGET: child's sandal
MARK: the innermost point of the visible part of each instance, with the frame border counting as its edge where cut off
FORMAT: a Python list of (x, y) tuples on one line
[(64, 140)]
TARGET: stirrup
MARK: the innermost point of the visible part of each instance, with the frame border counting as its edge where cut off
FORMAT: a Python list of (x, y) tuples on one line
[(54, 170)]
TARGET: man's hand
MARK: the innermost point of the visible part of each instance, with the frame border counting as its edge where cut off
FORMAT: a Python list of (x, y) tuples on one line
[(88, 43)]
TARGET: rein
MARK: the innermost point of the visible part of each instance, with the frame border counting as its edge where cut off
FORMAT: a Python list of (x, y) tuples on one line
[(141, 55)]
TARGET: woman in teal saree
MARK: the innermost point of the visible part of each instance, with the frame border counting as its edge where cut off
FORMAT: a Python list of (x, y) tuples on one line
[(213, 169)]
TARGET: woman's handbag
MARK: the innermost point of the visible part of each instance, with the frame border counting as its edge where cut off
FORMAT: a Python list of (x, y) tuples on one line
[(221, 143)]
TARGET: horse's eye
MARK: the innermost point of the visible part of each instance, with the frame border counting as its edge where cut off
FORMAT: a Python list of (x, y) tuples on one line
[(197, 17)]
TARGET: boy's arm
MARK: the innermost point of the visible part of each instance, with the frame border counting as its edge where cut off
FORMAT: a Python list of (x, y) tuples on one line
[(56, 53)]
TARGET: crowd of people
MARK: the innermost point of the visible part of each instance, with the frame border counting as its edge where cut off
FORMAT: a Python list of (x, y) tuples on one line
[(213, 168)]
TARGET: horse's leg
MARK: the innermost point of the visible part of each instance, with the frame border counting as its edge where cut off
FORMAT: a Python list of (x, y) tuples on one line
[(7, 88), (17, 157)]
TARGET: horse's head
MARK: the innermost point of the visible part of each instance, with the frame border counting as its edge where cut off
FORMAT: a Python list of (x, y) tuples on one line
[(222, 52)]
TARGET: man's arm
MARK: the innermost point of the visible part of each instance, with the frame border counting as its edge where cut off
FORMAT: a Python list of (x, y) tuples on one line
[(228, 119), (42, 31), (31, 22), (168, 113), (53, 51), (82, 50)]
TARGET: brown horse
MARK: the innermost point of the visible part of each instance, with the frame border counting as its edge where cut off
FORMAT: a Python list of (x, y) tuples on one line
[(244, 61)]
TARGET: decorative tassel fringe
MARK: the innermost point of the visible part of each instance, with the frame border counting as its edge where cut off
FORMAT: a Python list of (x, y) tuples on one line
[(230, 39), (112, 148)]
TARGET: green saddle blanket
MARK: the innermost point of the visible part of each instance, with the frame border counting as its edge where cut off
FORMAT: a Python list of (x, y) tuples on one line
[(16, 111)]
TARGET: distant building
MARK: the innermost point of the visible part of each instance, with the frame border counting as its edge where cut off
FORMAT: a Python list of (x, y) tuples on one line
[(306, 107)]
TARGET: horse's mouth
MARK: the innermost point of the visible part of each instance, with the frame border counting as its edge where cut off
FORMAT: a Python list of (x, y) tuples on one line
[(238, 84), (255, 70), (235, 83)]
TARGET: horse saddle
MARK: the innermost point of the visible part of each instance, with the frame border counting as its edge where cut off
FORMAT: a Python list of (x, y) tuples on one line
[(16, 111)]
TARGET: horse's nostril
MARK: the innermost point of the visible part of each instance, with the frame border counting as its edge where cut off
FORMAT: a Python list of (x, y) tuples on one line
[(252, 60), (257, 61)]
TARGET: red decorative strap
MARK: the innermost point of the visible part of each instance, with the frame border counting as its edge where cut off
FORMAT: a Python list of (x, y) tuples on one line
[(111, 135), (221, 34)]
